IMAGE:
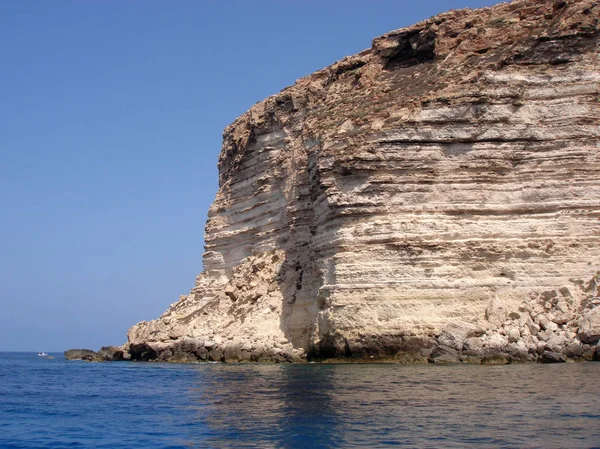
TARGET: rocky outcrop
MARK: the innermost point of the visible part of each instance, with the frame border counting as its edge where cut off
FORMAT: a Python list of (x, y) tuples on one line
[(105, 354), (82, 354), (435, 198), (113, 353)]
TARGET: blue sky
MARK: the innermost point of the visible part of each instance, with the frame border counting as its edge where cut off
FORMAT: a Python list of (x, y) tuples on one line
[(111, 116)]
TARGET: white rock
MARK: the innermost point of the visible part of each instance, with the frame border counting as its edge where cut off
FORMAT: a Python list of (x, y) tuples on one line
[(556, 343), (473, 343), (496, 312), (547, 325), (534, 328), (455, 334), (589, 326), (513, 335), (497, 341), (562, 306), (544, 335)]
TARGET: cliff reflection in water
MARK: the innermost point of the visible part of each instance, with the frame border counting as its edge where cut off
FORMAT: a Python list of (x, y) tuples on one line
[(318, 406), (279, 406)]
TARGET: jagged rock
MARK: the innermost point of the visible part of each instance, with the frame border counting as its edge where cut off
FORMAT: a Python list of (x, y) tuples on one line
[(112, 353), (534, 328), (190, 345), (496, 358), (161, 351), (497, 341), (142, 352), (556, 343), (231, 292), (589, 326), (574, 350), (562, 307), (552, 357), (82, 354), (513, 335), (471, 360), (290, 355), (210, 344), (541, 347), (547, 325), (589, 352), (237, 353), (518, 354), (181, 358), (544, 335), (202, 353), (445, 359), (560, 317), (444, 355), (415, 349), (449, 173), (216, 355), (455, 334), (473, 344), (496, 312)]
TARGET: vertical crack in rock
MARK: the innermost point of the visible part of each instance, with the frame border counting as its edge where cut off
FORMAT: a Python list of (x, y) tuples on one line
[(434, 198)]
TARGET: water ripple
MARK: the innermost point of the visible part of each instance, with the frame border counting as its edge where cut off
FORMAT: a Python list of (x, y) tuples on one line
[(59, 404)]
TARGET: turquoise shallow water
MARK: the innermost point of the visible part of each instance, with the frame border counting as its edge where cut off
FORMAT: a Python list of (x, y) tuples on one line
[(54, 403)]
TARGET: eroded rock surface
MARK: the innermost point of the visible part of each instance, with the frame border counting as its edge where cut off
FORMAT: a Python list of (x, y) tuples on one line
[(82, 354), (435, 198)]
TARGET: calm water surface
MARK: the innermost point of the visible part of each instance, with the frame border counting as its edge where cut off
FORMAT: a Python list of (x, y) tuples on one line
[(54, 403)]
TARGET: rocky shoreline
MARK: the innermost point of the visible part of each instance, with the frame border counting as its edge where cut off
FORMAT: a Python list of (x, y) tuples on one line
[(414, 350), (551, 327)]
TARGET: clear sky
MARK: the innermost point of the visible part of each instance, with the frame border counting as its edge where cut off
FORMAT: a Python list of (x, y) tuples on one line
[(111, 116)]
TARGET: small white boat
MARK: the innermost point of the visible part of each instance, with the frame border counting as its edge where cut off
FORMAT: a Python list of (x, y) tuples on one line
[(42, 354)]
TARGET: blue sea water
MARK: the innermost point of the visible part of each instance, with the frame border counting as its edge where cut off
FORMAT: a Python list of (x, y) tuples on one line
[(55, 403)]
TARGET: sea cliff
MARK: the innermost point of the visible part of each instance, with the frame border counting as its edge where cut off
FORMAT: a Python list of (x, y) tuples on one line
[(434, 198)]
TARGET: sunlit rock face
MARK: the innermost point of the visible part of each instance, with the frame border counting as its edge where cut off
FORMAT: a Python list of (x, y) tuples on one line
[(447, 176)]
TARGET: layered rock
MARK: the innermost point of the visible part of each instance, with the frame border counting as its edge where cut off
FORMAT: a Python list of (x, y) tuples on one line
[(433, 198)]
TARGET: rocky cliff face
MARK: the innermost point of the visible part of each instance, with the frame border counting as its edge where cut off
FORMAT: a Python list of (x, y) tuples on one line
[(435, 197)]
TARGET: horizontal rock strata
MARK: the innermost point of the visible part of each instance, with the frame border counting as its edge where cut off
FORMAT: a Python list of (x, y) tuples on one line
[(435, 198)]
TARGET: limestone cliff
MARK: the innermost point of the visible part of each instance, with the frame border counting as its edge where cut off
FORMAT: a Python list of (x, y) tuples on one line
[(435, 197)]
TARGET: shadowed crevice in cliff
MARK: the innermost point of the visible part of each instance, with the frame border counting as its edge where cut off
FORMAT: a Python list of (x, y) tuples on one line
[(555, 50), (411, 48), (142, 352), (301, 276)]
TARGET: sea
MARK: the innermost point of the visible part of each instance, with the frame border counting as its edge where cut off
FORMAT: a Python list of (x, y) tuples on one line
[(56, 403)]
